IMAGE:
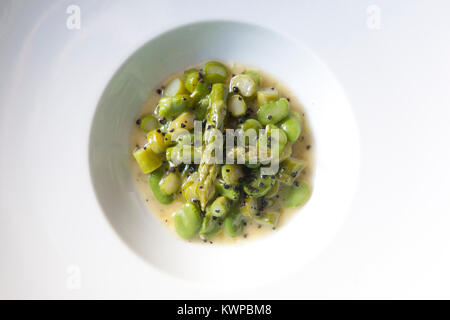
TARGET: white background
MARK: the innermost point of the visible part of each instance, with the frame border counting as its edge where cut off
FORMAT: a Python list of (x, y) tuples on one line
[(395, 242)]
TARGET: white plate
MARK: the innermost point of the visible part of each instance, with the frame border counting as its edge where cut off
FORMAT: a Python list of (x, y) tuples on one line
[(56, 241)]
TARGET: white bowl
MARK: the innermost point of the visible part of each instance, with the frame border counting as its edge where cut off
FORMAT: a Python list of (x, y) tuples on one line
[(336, 148)]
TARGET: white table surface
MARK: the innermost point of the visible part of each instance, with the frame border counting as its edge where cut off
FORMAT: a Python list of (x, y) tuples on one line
[(395, 242)]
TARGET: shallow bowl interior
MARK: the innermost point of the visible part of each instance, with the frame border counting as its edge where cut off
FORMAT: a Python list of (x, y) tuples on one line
[(336, 147)]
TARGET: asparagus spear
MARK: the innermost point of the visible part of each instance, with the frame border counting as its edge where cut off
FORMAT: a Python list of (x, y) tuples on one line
[(208, 169)]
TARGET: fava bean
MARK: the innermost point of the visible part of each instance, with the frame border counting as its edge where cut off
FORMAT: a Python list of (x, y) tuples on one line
[(255, 76), (188, 221), (266, 95), (153, 181), (251, 124), (273, 111), (243, 84), (296, 194), (226, 190), (234, 223), (232, 173), (291, 126), (236, 105), (220, 206), (170, 183), (290, 170)]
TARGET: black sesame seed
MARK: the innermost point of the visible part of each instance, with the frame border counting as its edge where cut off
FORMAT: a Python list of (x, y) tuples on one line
[(235, 89), (158, 91), (227, 170), (239, 98), (183, 125), (308, 147), (269, 117), (138, 121)]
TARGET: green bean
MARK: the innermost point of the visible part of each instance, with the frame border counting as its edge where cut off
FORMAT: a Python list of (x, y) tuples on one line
[(232, 173), (147, 160), (243, 84), (266, 95), (273, 111), (249, 207), (202, 89), (210, 225), (156, 141), (236, 105), (251, 124), (226, 190), (215, 72), (148, 123), (170, 183), (175, 87), (290, 170), (153, 181), (170, 107), (270, 218), (255, 76), (191, 78), (296, 194), (234, 223), (184, 121), (188, 221), (259, 186), (220, 206), (291, 126)]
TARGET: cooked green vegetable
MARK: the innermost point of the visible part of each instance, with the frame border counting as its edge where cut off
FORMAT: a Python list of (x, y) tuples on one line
[(220, 206), (273, 111), (148, 161), (226, 190), (266, 95), (215, 72), (191, 78), (249, 207), (234, 223), (251, 124), (156, 141), (183, 121), (223, 197), (175, 87), (255, 76), (210, 225), (243, 84), (214, 120), (259, 186), (148, 123), (188, 221), (296, 194), (201, 90), (170, 183), (153, 181), (236, 105), (232, 173), (170, 107), (290, 170), (291, 126), (270, 218)]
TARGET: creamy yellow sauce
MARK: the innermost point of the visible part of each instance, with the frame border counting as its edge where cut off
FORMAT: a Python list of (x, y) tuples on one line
[(303, 149)]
